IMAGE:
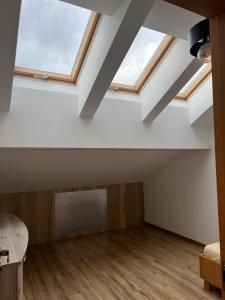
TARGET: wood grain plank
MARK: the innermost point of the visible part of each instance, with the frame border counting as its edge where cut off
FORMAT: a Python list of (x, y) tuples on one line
[(217, 33), (36, 209), (210, 271), (135, 263), (205, 8)]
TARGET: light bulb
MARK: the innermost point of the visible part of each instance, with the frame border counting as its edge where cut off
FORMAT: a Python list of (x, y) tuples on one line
[(204, 53)]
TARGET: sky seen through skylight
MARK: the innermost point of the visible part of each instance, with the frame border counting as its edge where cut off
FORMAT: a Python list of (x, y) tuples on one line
[(50, 34), (141, 51)]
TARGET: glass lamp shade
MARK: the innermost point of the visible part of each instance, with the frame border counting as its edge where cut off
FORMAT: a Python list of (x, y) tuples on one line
[(204, 53)]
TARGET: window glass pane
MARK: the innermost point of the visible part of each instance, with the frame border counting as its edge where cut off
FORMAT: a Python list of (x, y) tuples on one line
[(50, 34), (193, 78), (141, 51)]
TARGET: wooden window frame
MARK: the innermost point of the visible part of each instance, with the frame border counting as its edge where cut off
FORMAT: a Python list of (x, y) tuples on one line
[(197, 82), (154, 62), (157, 58), (83, 49), (145, 76)]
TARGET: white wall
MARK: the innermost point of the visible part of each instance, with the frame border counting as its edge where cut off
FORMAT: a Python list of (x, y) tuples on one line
[(181, 196), (201, 101), (49, 118)]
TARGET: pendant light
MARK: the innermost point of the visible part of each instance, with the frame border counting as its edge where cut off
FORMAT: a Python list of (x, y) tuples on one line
[(199, 39)]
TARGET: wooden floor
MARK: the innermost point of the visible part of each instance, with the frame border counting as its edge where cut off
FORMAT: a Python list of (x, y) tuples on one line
[(138, 263)]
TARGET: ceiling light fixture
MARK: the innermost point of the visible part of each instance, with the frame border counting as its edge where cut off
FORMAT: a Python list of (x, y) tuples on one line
[(199, 39)]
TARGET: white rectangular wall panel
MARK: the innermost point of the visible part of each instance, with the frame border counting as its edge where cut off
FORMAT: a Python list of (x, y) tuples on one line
[(80, 211)]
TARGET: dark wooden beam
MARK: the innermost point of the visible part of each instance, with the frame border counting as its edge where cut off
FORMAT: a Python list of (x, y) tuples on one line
[(217, 34), (206, 8)]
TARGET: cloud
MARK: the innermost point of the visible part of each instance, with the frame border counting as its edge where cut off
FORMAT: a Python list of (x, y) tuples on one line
[(143, 48), (50, 34)]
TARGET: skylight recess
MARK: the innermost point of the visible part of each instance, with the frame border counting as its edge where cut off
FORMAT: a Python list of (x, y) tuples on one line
[(144, 47), (193, 78), (194, 82), (51, 35)]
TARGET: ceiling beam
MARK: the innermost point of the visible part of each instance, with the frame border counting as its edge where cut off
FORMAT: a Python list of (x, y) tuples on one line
[(165, 85), (171, 93), (106, 7), (205, 8), (9, 22), (112, 41)]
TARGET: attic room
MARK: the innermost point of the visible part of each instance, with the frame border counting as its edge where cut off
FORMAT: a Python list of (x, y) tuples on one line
[(112, 149)]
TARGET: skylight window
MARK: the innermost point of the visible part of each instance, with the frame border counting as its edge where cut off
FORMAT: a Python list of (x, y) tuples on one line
[(51, 37), (194, 82), (145, 46), (193, 78)]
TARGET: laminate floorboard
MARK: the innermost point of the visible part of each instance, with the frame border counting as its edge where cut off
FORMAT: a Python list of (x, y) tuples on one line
[(136, 263)]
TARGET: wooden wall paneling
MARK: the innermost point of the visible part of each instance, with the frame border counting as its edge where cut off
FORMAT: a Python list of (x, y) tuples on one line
[(206, 8), (116, 207), (134, 206), (113, 195), (126, 205), (36, 209), (121, 208), (217, 33)]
